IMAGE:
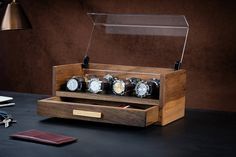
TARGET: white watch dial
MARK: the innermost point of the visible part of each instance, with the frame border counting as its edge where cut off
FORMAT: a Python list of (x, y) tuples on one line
[(72, 84), (142, 89), (119, 87), (95, 86)]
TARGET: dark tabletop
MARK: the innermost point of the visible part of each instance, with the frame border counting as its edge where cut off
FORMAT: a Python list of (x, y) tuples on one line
[(200, 133)]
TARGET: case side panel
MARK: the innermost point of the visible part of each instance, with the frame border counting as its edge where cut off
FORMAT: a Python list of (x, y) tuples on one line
[(63, 72), (172, 96)]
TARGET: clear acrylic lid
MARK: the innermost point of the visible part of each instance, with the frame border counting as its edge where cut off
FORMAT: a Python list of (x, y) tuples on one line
[(154, 35)]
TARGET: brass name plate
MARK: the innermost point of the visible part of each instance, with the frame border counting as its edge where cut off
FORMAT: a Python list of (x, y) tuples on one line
[(87, 114)]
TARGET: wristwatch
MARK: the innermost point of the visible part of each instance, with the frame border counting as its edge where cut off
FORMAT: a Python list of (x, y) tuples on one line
[(118, 87), (147, 88), (124, 87), (76, 84), (94, 85), (107, 83)]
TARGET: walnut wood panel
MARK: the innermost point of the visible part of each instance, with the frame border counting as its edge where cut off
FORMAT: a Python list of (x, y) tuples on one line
[(172, 96), (53, 107), (103, 102), (152, 116), (122, 74), (63, 72), (172, 111), (112, 98), (125, 68), (173, 86)]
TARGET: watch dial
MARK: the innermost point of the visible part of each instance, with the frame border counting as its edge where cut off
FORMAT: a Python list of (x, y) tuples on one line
[(95, 86), (72, 84), (119, 87), (142, 89)]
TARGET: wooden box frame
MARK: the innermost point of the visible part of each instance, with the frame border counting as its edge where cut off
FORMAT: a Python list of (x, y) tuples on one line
[(100, 107)]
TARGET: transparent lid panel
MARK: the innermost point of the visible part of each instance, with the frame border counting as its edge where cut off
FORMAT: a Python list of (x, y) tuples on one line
[(166, 25), (156, 40), (145, 31), (139, 20)]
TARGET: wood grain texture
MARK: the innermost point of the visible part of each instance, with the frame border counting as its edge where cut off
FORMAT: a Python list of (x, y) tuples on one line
[(122, 74), (62, 73), (172, 111), (126, 68), (112, 98), (172, 96), (125, 72), (173, 86), (152, 116), (53, 107)]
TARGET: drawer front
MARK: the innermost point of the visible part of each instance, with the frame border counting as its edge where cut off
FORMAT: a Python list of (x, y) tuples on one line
[(54, 107)]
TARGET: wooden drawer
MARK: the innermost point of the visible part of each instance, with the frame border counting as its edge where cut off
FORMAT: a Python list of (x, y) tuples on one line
[(99, 111)]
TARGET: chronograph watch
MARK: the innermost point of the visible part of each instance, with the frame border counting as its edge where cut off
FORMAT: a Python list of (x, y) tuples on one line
[(96, 85), (147, 88), (76, 84)]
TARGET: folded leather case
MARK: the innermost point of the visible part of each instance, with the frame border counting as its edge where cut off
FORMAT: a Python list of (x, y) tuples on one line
[(43, 137)]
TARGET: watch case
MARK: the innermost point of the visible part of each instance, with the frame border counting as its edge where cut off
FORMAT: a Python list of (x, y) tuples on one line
[(110, 108)]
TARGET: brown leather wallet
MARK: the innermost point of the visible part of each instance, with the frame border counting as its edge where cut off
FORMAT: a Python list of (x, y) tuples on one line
[(43, 137)]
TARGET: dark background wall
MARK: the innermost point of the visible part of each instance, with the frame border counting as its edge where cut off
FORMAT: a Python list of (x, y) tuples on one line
[(61, 31)]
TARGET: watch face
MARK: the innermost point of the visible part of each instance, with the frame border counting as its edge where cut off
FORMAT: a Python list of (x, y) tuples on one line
[(94, 86), (142, 89), (72, 84), (119, 87)]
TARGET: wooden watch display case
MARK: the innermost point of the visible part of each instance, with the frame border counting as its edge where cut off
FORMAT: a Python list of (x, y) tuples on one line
[(110, 108), (106, 108)]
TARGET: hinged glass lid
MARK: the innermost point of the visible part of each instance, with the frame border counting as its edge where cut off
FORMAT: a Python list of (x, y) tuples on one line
[(147, 35)]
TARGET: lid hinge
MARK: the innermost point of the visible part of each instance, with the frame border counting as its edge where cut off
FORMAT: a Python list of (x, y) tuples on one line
[(177, 65), (85, 63)]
